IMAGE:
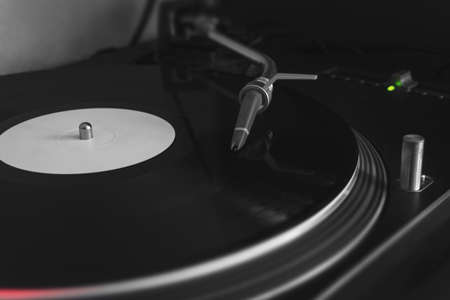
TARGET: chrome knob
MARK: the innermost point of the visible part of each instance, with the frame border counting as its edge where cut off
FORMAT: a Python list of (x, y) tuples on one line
[(411, 162)]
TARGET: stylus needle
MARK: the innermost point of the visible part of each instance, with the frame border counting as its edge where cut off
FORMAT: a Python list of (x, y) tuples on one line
[(250, 105)]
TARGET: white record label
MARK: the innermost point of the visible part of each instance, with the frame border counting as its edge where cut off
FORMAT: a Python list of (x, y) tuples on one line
[(51, 144)]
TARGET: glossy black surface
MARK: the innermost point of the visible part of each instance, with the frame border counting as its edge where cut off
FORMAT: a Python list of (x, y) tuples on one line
[(195, 201)]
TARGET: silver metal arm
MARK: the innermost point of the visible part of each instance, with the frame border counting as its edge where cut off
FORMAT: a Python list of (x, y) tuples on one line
[(256, 95), (291, 76), (269, 66)]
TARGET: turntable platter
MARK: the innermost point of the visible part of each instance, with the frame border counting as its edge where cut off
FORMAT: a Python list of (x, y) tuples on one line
[(191, 211)]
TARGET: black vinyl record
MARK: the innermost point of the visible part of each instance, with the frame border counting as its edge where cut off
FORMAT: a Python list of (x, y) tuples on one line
[(195, 202)]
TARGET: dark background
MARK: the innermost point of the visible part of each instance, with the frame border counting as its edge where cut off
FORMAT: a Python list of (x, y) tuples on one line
[(422, 24)]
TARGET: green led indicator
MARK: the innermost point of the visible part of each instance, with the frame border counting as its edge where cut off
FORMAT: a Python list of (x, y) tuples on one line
[(390, 88), (398, 83)]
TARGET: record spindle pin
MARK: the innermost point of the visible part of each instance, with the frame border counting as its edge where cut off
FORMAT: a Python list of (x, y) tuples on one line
[(86, 132)]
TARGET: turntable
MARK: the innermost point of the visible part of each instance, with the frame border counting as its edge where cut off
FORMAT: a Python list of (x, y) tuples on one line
[(169, 176)]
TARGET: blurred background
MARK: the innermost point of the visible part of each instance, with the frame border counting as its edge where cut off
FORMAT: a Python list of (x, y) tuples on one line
[(413, 23), (44, 33)]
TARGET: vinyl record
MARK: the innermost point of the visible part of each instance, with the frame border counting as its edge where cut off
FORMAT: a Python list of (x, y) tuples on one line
[(194, 210)]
